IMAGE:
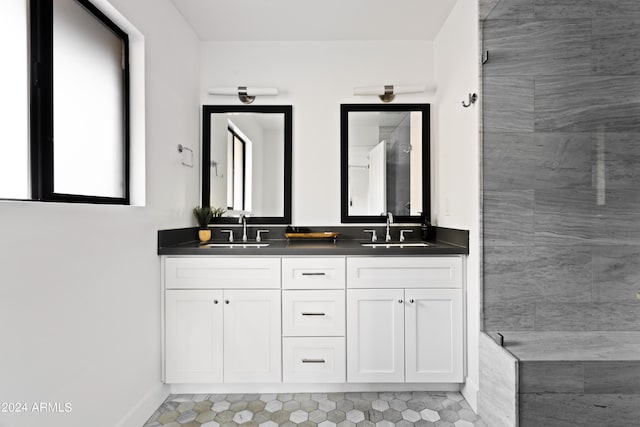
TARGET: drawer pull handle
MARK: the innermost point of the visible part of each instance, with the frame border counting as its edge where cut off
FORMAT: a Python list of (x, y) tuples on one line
[(313, 314), (412, 301), (314, 274), (313, 361)]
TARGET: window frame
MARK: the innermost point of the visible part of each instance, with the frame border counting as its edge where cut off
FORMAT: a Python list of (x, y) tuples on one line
[(42, 145)]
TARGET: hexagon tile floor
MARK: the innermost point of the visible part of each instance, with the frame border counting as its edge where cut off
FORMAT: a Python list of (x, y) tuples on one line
[(404, 409)]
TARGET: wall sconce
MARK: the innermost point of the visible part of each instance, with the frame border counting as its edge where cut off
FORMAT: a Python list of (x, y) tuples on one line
[(246, 94), (386, 93)]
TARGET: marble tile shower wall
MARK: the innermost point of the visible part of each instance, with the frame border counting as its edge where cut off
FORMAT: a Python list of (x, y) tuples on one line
[(561, 164)]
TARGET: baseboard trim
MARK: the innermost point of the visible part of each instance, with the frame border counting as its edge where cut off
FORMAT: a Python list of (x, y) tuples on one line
[(303, 388), (142, 410), (470, 392)]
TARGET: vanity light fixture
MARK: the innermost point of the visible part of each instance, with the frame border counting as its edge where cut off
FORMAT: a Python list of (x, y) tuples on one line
[(386, 93), (246, 94)]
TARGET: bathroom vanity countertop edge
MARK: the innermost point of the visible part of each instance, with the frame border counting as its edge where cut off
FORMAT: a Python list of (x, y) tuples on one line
[(182, 242), (284, 247)]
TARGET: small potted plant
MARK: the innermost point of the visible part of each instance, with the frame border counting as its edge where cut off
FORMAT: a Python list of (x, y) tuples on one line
[(203, 215), (218, 212)]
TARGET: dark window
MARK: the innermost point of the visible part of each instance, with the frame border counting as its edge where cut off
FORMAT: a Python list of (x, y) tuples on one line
[(79, 114)]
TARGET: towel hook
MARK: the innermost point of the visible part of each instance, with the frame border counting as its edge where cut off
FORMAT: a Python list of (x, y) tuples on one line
[(187, 160), (214, 166), (473, 97)]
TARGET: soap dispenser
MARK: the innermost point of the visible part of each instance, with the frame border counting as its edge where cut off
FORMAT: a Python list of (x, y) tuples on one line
[(428, 231)]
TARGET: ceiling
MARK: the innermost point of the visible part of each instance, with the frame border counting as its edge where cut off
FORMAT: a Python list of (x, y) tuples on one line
[(320, 20)]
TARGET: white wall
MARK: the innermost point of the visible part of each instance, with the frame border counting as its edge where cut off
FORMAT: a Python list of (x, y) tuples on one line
[(316, 77), (457, 158), (80, 285)]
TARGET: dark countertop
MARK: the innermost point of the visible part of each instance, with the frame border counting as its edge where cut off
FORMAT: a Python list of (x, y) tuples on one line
[(180, 242)]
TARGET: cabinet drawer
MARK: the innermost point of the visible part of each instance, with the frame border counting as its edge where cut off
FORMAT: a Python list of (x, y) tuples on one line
[(313, 360), (227, 273), (313, 273), (401, 272), (313, 313)]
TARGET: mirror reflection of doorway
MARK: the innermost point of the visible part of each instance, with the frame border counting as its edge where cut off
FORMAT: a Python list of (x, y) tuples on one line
[(377, 194), (239, 155), (385, 163)]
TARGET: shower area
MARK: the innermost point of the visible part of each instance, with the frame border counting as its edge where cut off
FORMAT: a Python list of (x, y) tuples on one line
[(561, 212), (385, 162)]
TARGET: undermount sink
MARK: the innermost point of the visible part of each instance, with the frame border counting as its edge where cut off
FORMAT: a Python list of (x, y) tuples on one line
[(396, 245), (237, 245)]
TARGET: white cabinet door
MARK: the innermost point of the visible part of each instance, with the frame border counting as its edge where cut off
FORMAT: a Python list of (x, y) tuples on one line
[(375, 335), (252, 349), (193, 345), (434, 337)]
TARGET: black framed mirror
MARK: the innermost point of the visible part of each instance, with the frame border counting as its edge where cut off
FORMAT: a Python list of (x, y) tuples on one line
[(246, 162), (385, 162)]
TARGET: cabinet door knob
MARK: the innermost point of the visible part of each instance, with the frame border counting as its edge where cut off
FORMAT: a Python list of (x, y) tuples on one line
[(412, 301), (226, 301), (400, 301), (215, 301)]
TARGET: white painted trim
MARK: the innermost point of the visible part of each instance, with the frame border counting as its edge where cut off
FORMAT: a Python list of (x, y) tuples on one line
[(315, 387), (163, 326), (470, 392), (142, 410)]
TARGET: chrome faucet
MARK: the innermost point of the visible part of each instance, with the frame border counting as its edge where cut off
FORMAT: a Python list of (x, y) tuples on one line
[(387, 237), (243, 221), (402, 238), (374, 236)]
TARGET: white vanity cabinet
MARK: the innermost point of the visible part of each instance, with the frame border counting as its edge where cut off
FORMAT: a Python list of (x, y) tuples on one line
[(405, 319), (313, 319), (222, 331)]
